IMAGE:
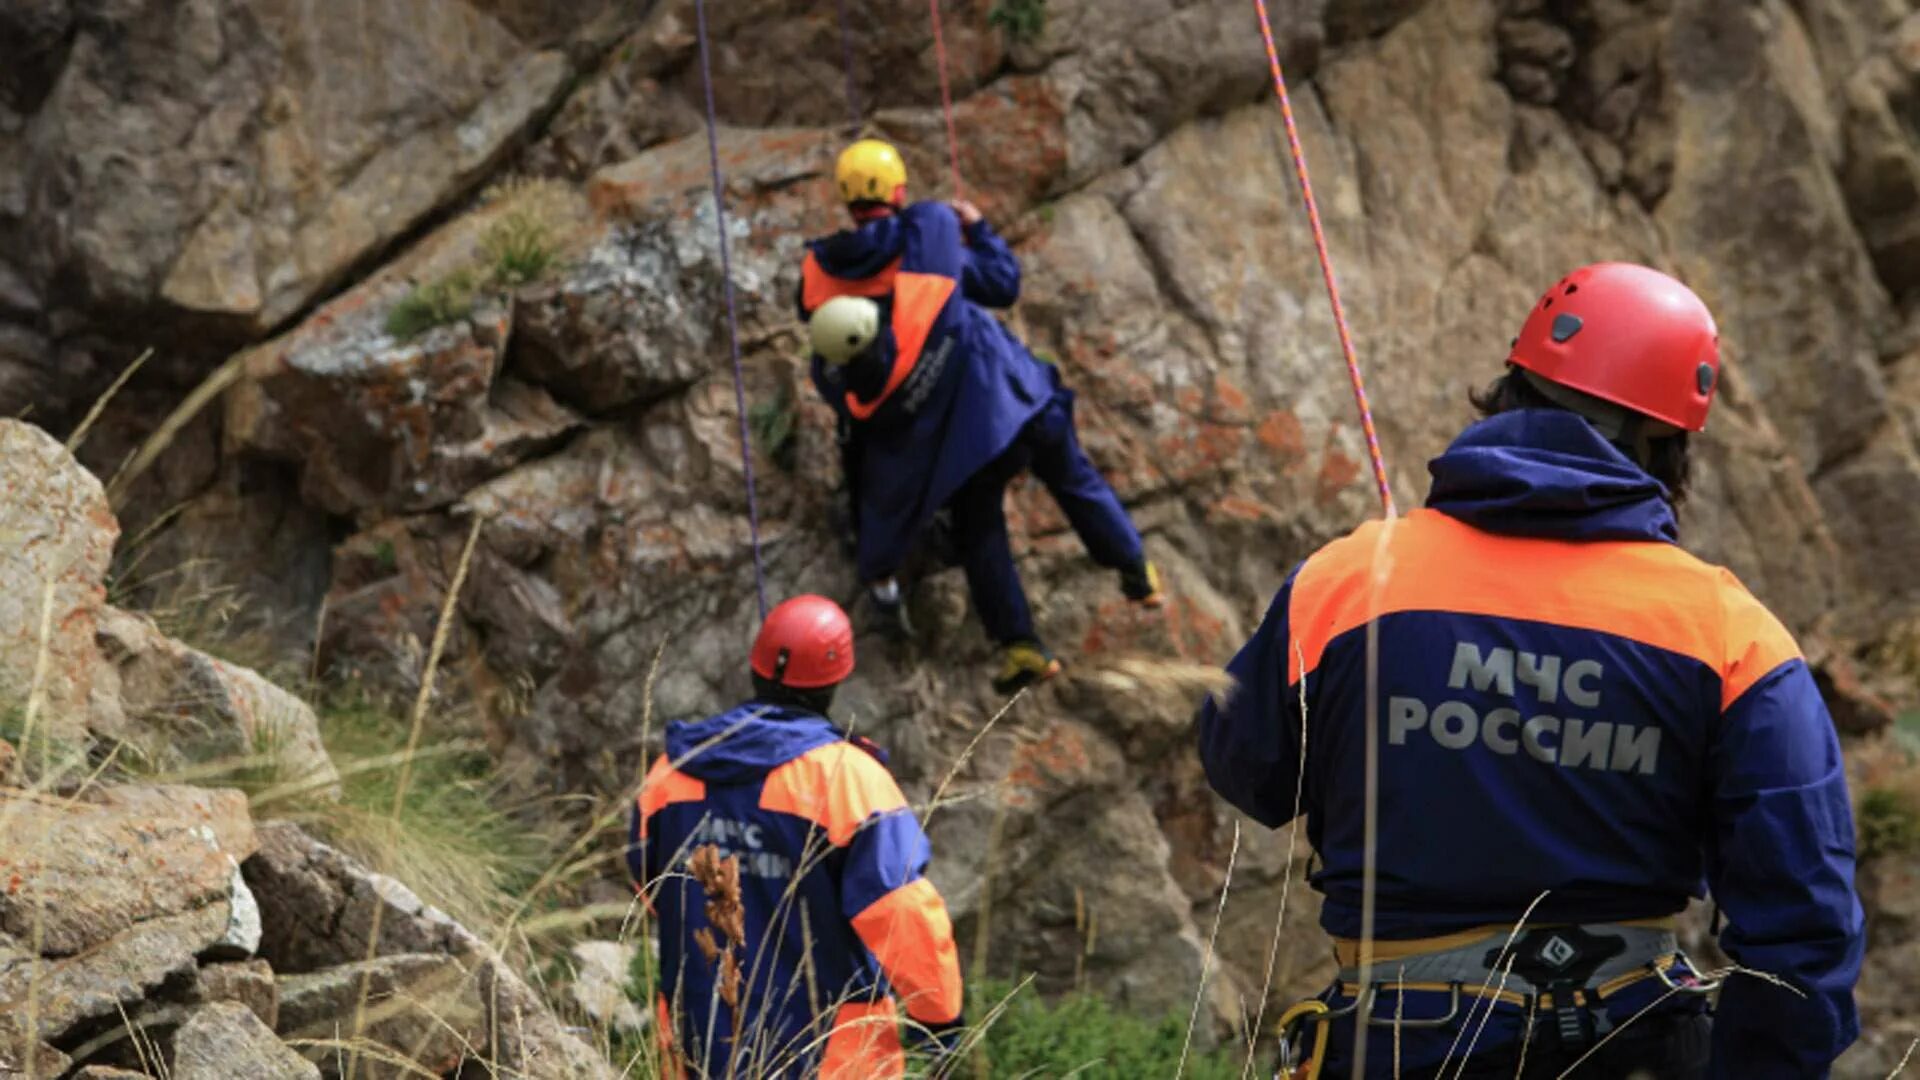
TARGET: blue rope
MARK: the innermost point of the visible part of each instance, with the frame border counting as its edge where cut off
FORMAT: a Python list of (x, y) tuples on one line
[(733, 319)]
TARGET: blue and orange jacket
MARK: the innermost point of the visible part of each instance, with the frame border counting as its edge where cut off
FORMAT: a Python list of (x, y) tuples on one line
[(1568, 703), (839, 916), (947, 390)]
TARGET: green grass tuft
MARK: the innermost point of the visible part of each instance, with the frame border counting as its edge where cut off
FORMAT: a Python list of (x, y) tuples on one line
[(775, 425), (1022, 20), (435, 303), (1888, 823), (519, 249), (1083, 1035)]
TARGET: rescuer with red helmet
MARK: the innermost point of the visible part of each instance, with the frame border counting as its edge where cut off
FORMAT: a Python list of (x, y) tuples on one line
[(830, 864), (1577, 728)]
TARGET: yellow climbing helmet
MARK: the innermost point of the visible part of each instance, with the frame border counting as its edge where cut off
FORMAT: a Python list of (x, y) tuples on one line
[(869, 171)]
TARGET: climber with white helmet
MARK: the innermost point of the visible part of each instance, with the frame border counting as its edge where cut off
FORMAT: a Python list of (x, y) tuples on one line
[(1580, 727), (824, 887), (941, 408)]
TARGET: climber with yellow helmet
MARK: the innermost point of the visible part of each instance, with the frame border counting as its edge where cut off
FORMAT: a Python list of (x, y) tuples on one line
[(940, 407)]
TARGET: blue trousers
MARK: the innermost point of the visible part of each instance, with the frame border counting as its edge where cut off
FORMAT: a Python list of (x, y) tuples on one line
[(1048, 448)]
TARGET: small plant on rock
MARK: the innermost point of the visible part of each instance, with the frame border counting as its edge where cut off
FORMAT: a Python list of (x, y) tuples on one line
[(519, 249), (435, 303), (1888, 822), (775, 425), (1022, 20)]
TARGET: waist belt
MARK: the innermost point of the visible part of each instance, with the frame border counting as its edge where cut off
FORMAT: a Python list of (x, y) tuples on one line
[(1594, 960), (1561, 972)]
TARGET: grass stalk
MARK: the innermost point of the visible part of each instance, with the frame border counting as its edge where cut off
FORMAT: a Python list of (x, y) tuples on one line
[(80, 433), (415, 724), (223, 378), (1206, 960)]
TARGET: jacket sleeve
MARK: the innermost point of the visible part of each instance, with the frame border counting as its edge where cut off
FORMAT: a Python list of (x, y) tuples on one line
[(663, 786), (1250, 741), (932, 242), (895, 910), (1781, 863), (992, 274)]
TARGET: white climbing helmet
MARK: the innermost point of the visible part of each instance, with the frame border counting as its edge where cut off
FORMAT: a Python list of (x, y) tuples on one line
[(843, 327)]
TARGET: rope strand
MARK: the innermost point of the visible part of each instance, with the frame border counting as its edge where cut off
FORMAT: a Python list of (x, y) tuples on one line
[(946, 96), (846, 62), (733, 319), (1326, 263)]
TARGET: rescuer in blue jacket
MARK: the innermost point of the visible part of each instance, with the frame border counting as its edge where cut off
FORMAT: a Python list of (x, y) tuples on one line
[(1577, 722), (940, 407), (831, 917)]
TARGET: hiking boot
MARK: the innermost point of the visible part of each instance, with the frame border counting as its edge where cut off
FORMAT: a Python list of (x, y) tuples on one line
[(1141, 584), (890, 603), (1024, 663)]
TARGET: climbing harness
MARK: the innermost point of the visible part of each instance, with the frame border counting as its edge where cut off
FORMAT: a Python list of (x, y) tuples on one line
[(1296, 1062), (1563, 973), (946, 96), (1326, 263), (733, 319)]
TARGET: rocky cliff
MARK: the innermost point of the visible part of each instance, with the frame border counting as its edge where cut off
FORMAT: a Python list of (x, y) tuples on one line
[(455, 261)]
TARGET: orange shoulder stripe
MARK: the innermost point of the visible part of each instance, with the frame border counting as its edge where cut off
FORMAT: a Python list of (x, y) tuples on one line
[(918, 300), (817, 286), (910, 934), (664, 786), (837, 787), (1756, 642), (1652, 593)]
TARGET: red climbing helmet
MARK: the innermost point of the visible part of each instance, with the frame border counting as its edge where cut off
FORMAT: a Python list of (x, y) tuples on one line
[(806, 643), (1629, 335)]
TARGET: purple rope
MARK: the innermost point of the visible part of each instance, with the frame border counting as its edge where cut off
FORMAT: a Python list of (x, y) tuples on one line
[(846, 61), (733, 319)]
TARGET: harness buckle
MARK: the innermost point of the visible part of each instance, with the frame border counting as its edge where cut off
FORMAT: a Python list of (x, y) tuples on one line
[(1562, 961)]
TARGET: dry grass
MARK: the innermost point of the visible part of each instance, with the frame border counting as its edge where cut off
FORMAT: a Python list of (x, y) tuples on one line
[(223, 378)]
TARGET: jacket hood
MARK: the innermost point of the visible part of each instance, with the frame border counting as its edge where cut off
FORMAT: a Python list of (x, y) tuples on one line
[(1547, 473), (858, 253), (747, 742)]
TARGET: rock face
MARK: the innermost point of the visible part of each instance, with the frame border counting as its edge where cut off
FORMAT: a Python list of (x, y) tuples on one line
[(578, 404), (226, 162), (184, 706), (110, 896), (56, 539), (226, 1040), (105, 676), (432, 991), (126, 908)]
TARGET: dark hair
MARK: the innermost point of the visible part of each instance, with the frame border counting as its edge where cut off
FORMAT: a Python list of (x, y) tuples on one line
[(818, 700), (1665, 458), (863, 209)]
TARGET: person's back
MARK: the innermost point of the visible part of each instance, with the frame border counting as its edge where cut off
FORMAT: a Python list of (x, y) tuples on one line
[(1579, 725), (785, 870)]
